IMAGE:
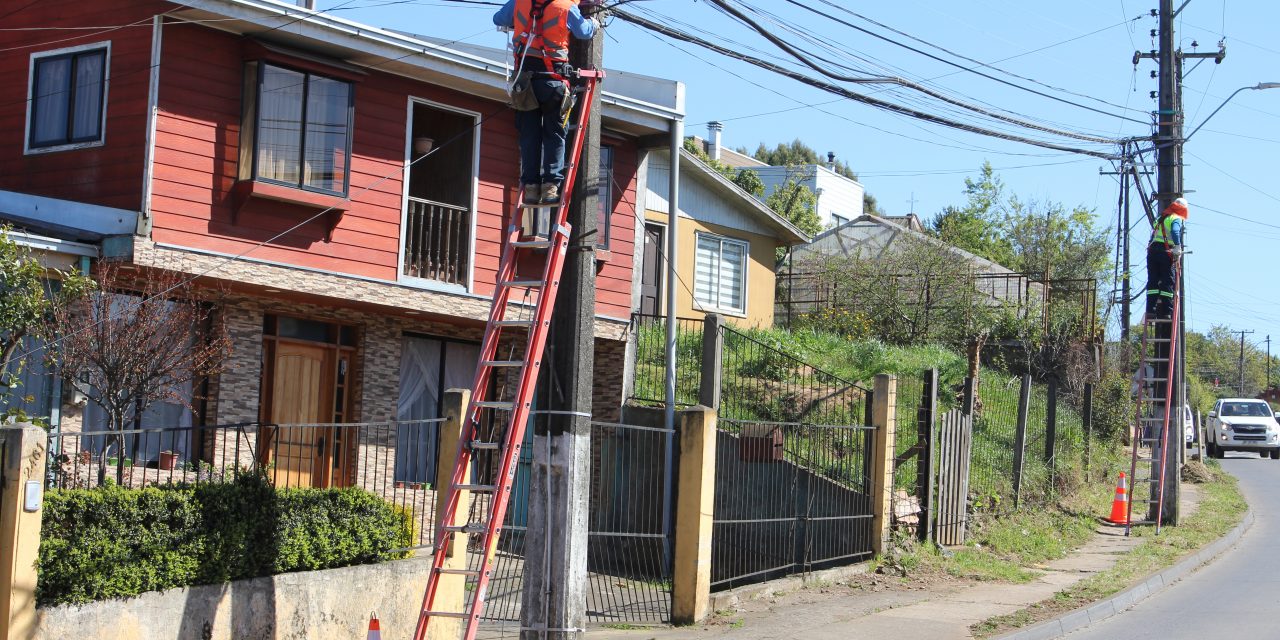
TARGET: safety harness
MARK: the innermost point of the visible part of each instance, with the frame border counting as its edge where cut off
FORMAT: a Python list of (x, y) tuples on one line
[(536, 10)]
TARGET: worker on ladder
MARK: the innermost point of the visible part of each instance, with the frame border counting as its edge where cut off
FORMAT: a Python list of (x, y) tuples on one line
[(1162, 254), (540, 88)]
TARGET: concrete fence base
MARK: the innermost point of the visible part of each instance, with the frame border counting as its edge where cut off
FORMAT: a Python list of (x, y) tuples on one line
[(313, 605)]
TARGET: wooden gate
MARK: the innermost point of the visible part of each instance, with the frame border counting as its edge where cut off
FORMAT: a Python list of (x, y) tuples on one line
[(955, 445)]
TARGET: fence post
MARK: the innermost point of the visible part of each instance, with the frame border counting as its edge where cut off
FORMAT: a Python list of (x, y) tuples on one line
[(1051, 423), (1020, 438), (691, 580), (884, 421), (925, 463), (21, 501), (712, 350), (1087, 419), (970, 395), (451, 592)]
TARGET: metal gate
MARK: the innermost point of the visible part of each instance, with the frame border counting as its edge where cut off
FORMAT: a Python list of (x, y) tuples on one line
[(628, 552), (789, 498)]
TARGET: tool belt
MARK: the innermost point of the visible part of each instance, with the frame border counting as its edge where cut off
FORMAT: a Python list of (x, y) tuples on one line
[(523, 97)]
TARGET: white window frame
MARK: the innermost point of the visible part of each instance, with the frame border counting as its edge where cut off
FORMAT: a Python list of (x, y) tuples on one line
[(423, 283), (746, 266), (27, 149)]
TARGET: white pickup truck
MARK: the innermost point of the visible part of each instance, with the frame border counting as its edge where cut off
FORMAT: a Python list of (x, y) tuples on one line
[(1243, 424)]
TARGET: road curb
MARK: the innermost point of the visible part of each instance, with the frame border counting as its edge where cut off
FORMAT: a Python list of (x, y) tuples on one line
[(1154, 583)]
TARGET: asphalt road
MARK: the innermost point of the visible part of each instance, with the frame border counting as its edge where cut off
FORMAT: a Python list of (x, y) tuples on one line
[(1236, 596)]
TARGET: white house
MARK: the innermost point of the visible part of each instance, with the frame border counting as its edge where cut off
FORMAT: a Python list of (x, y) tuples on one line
[(839, 198)]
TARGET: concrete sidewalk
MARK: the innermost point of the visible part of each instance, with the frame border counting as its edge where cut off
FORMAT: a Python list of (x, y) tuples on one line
[(870, 606)]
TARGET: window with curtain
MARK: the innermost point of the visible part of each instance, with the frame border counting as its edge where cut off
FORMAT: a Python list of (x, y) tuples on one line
[(302, 134), (67, 98), (720, 273), (604, 189)]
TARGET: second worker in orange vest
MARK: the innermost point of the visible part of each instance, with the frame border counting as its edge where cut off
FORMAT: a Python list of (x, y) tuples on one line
[(542, 29)]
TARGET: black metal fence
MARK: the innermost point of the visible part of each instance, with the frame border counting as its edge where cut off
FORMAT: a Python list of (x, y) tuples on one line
[(1031, 442), (789, 498), (649, 337), (628, 552), (793, 470), (379, 457)]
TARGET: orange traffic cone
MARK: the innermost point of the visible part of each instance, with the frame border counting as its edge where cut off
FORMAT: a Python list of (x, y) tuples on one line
[(375, 629), (1120, 505)]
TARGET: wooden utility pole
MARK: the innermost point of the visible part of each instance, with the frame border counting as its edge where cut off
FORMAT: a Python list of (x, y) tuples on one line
[(555, 571)]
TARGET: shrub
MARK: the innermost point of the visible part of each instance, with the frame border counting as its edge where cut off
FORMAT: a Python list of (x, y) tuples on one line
[(112, 542)]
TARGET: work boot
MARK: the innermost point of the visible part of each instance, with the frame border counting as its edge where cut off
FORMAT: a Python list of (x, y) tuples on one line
[(532, 193), (551, 193)]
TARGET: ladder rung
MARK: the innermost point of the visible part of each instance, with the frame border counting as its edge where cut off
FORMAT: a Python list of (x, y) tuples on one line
[(532, 244), (513, 323), (530, 284), (495, 404), (446, 614), (485, 446), (539, 205), (470, 527), (459, 572), (502, 363), (483, 488)]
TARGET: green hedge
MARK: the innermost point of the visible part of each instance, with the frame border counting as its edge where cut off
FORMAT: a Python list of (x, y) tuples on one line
[(112, 542)]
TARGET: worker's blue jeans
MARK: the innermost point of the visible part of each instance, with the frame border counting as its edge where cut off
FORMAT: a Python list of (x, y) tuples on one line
[(542, 134)]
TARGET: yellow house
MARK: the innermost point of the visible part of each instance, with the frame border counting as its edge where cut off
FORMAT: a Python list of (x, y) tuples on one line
[(727, 241)]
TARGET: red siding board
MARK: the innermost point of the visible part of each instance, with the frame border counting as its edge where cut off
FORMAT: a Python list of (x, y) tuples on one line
[(197, 155), (110, 174)]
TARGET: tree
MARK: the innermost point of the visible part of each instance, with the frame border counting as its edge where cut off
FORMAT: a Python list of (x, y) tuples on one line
[(28, 295), (747, 179), (137, 344), (908, 292), (797, 204), (977, 227)]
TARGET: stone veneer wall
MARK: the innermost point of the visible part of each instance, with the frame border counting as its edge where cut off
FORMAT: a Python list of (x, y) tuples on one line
[(235, 394)]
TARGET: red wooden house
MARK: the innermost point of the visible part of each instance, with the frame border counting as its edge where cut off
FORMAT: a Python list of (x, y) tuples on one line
[(345, 185)]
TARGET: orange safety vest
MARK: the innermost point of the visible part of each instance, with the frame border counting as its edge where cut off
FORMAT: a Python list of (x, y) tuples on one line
[(549, 37)]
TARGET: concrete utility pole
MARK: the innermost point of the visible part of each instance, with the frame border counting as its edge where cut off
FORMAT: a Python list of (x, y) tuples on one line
[(1169, 187), (1168, 144), (554, 605), (1268, 362), (1242, 335)]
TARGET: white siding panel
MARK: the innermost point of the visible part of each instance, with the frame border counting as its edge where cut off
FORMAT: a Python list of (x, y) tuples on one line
[(697, 199)]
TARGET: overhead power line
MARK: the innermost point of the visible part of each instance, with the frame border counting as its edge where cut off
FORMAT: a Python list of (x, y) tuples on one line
[(725, 6), (949, 62), (852, 95)]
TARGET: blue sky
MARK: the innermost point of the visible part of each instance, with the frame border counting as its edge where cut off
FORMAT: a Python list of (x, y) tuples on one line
[(1229, 164)]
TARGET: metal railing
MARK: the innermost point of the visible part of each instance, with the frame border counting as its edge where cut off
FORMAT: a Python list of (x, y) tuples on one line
[(385, 458), (649, 335), (437, 241)]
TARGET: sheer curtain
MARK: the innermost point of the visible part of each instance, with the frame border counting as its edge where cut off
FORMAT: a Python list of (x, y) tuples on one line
[(51, 102), (174, 417), (86, 115), (419, 400), (427, 368), (280, 124)]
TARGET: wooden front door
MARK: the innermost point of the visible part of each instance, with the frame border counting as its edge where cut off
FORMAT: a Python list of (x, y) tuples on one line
[(651, 270), (301, 393)]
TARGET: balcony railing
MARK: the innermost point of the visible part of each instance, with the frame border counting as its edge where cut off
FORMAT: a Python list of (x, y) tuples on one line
[(437, 241)]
